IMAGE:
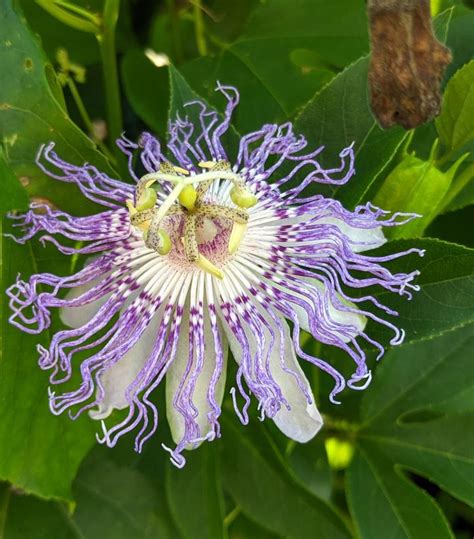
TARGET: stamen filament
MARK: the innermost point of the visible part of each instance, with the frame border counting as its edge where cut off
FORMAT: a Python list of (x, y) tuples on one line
[(236, 236)]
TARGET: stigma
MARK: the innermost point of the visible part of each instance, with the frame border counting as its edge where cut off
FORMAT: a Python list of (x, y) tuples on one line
[(187, 202)]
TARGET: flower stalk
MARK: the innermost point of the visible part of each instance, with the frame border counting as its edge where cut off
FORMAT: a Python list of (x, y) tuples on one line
[(106, 39)]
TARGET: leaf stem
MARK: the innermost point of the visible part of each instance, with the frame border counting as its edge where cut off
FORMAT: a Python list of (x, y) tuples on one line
[(339, 425), (73, 16), (86, 118), (175, 34), (78, 10), (199, 28), (230, 517), (106, 39)]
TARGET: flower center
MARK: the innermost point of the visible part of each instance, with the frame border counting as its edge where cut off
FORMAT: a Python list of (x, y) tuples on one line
[(185, 226)]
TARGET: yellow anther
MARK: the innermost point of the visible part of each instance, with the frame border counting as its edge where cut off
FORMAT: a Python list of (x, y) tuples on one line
[(242, 198), (236, 236), (187, 197), (207, 266), (147, 200), (181, 170), (207, 164)]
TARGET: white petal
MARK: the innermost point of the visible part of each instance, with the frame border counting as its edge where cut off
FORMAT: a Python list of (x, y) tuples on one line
[(75, 317), (303, 421), (362, 239), (175, 374), (117, 379)]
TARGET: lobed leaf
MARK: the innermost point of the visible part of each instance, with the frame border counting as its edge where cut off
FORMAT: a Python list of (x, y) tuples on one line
[(413, 422)]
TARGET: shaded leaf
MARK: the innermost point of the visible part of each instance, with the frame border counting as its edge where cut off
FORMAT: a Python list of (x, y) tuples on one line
[(23, 516), (146, 87), (82, 46), (32, 112), (268, 494), (116, 502), (411, 421), (286, 52), (14, 196), (459, 39), (338, 116), (310, 464), (195, 496), (39, 452), (181, 94), (446, 298), (454, 124)]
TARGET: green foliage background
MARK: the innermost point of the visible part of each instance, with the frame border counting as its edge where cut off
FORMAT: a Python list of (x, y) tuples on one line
[(395, 461)]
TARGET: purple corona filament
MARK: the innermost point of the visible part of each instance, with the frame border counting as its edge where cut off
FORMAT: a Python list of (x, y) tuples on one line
[(139, 316)]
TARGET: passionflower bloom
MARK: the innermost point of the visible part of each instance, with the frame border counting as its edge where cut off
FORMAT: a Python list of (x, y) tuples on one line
[(202, 254)]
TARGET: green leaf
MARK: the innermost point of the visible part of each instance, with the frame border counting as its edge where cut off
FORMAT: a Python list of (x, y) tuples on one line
[(383, 500), (117, 502), (415, 186), (14, 196), (286, 52), (32, 112), (446, 298), (459, 39), (338, 116), (267, 493), (181, 93), (454, 124), (39, 452), (195, 496), (411, 421), (23, 516), (310, 464), (146, 87), (465, 197)]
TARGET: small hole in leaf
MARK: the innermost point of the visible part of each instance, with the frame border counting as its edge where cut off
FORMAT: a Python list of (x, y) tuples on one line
[(28, 63)]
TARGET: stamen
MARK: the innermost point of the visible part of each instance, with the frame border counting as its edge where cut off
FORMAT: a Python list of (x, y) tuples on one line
[(241, 197), (147, 200), (181, 170), (160, 242), (236, 236), (148, 218), (187, 197), (207, 164), (207, 266)]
